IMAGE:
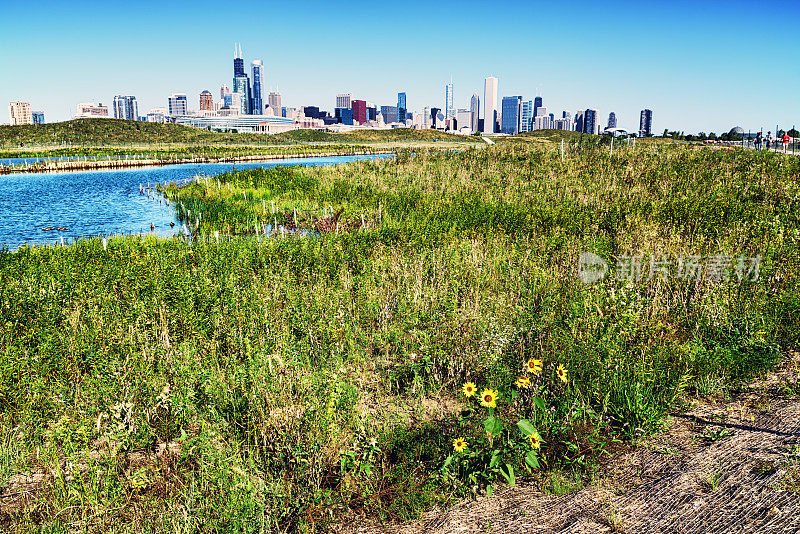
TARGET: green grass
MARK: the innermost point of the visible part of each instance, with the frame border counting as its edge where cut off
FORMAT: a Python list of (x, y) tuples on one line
[(318, 379)]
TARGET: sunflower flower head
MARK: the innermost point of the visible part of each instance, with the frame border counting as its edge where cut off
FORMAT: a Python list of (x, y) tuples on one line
[(459, 444), (469, 389), (535, 440), (561, 372), (523, 382), (489, 398), (533, 366)]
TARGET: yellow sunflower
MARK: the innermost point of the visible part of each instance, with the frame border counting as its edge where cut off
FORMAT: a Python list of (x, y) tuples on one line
[(523, 382), (536, 441), (459, 444), (469, 389), (489, 398), (534, 366), (561, 372)]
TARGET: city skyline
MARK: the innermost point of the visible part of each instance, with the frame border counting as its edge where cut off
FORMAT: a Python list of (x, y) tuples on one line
[(662, 58)]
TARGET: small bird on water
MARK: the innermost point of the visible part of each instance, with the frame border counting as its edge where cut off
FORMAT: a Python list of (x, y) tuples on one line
[(152, 227)]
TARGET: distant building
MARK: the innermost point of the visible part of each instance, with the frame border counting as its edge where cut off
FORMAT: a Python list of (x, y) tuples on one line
[(157, 115), (20, 113), (206, 101), (241, 85), (344, 115), (275, 102), (344, 100), (38, 117), (372, 112), (578, 122), (436, 117), (402, 108), (562, 124), (612, 120), (125, 107), (474, 110), (449, 110), (526, 118), (257, 101), (537, 103), (512, 113), (390, 114), (645, 123), (238, 62), (426, 118), (566, 115), (490, 88), (90, 109), (359, 108), (590, 121), (224, 90), (543, 121), (463, 119), (178, 105)]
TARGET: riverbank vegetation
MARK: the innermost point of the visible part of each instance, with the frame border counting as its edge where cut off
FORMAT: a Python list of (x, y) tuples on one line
[(249, 382), (103, 136)]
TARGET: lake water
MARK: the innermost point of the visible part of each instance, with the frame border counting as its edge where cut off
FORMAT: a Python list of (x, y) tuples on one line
[(96, 203)]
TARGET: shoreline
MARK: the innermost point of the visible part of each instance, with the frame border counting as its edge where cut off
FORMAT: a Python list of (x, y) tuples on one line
[(86, 165)]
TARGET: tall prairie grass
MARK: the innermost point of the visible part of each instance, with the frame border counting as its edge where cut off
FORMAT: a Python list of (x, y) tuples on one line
[(314, 379)]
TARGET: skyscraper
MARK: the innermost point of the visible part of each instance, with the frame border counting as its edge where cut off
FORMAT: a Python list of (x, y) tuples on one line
[(20, 113), (512, 111), (238, 62), (125, 107), (257, 103), (224, 90), (390, 114), (579, 121), (401, 108), (344, 100), (612, 120), (645, 123), (526, 119), (474, 111), (590, 121), (241, 85), (90, 109), (435, 123), (38, 117), (206, 101), (178, 105), (490, 104), (537, 103), (449, 110), (275, 102), (359, 111)]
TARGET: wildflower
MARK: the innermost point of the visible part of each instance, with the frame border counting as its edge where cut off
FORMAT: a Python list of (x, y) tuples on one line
[(469, 389), (562, 373), (534, 366), (460, 444), (536, 441), (489, 398), (523, 382)]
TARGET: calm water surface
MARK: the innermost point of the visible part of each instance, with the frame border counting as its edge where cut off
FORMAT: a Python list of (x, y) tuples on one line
[(102, 202)]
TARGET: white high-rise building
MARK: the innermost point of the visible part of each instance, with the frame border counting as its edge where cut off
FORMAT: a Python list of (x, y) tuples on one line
[(90, 109), (20, 113), (449, 110), (426, 118), (474, 110), (344, 100), (490, 91), (275, 102), (178, 105), (464, 119)]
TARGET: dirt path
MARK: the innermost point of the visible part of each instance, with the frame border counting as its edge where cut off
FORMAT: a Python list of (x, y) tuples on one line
[(732, 466)]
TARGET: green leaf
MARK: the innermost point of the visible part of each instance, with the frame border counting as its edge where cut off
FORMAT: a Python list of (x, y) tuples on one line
[(514, 394), (489, 490), (493, 425), (526, 427), (539, 403), (495, 459), (508, 474), (532, 460)]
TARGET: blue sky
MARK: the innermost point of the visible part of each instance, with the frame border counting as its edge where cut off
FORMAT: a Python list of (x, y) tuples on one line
[(699, 66)]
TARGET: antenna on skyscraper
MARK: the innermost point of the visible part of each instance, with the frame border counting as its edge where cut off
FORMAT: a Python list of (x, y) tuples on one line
[(240, 50)]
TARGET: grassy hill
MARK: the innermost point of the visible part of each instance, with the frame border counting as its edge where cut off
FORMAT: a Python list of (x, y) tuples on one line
[(113, 132)]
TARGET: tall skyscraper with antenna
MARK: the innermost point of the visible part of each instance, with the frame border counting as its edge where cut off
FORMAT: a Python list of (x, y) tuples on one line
[(241, 83)]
